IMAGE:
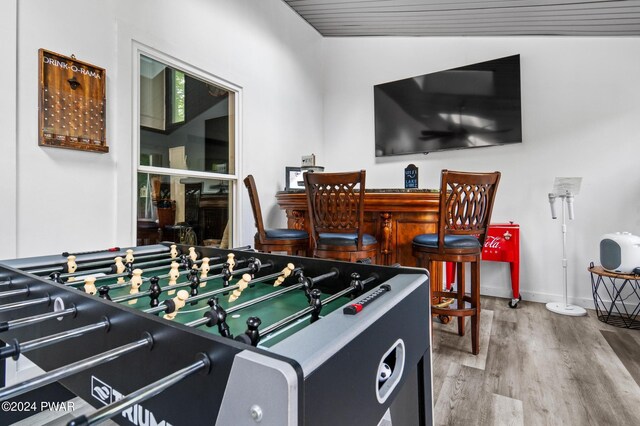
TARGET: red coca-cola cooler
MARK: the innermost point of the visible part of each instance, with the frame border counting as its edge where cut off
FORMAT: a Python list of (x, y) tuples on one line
[(502, 244)]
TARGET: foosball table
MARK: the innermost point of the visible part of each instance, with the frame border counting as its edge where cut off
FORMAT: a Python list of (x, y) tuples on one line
[(176, 335)]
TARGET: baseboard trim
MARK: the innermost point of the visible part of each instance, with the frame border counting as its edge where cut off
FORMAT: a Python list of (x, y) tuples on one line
[(536, 296)]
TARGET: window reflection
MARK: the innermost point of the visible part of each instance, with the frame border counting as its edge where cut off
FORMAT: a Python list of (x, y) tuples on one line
[(184, 209), (184, 121), (187, 127)]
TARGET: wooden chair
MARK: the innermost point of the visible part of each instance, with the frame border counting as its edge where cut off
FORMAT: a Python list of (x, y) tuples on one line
[(466, 202), (292, 241), (336, 215)]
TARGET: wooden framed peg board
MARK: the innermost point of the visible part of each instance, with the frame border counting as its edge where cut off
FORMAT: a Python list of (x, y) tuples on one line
[(72, 109)]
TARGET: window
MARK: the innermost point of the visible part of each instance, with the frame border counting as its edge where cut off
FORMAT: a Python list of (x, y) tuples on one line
[(186, 177)]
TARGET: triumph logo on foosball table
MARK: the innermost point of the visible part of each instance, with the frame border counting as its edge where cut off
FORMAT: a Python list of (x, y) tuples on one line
[(137, 415), (102, 391)]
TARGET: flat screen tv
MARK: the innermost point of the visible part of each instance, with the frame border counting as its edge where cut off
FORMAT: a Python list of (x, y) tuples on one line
[(472, 106)]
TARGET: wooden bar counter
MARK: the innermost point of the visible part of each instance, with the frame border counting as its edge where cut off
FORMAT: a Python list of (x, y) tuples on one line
[(393, 216)]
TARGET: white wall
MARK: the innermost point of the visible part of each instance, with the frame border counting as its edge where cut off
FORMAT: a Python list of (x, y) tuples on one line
[(8, 141), (580, 109), (71, 200)]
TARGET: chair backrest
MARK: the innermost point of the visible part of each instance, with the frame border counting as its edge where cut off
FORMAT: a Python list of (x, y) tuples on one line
[(466, 202), (250, 183), (336, 203)]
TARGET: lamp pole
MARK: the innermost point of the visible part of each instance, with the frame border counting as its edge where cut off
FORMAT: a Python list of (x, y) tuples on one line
[(564, 308)]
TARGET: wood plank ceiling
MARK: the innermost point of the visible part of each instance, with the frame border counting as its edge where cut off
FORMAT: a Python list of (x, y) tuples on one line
[(343, 18)]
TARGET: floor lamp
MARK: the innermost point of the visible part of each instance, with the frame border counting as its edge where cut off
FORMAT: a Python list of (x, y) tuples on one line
[(564, 308)]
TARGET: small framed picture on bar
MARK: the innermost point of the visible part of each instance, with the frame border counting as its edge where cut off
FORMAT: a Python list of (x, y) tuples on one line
[(293, 178)]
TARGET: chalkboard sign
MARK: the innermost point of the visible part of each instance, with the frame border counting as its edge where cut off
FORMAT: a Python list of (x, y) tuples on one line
[(411, 176)]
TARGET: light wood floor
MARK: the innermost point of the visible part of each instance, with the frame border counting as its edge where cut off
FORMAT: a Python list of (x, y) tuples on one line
[(536, 368)]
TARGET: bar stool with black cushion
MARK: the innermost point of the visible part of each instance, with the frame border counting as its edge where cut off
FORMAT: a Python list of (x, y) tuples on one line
[(336, 213), (292, 241), (466, 202)]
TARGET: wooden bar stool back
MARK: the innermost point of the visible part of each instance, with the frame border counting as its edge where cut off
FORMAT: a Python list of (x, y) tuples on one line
[(336, 213), (292, 241), (466, 202)]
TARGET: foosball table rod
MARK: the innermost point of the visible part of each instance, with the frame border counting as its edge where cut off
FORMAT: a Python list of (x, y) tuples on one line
[(98, 263), (24, 304), (310, 283), (22, 322), (73, 368), (142, 394), (14, 349), (11, 293)]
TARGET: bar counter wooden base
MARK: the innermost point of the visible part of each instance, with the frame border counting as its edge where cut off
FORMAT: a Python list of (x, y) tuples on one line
[(393, 216)]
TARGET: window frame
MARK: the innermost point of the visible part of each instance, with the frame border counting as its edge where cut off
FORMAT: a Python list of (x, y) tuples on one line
[(234, 112)]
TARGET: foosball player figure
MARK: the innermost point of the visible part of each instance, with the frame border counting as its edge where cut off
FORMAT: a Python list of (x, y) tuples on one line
[(254, 267), (55, 277), (231, 261), (154, 291), (128, 268), (118, 268), (357, 284), (185, 262), (103, 292), (174, 274), (226, 275), (242, 284), (204, 270), (217, 316), (252, 335), (136, 282), (316, 303), (307, 284), (70, 267), (128, 258), (174, 251), (90, 285), (194, 283), (192, 254), (284, 274), (175, 304)]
